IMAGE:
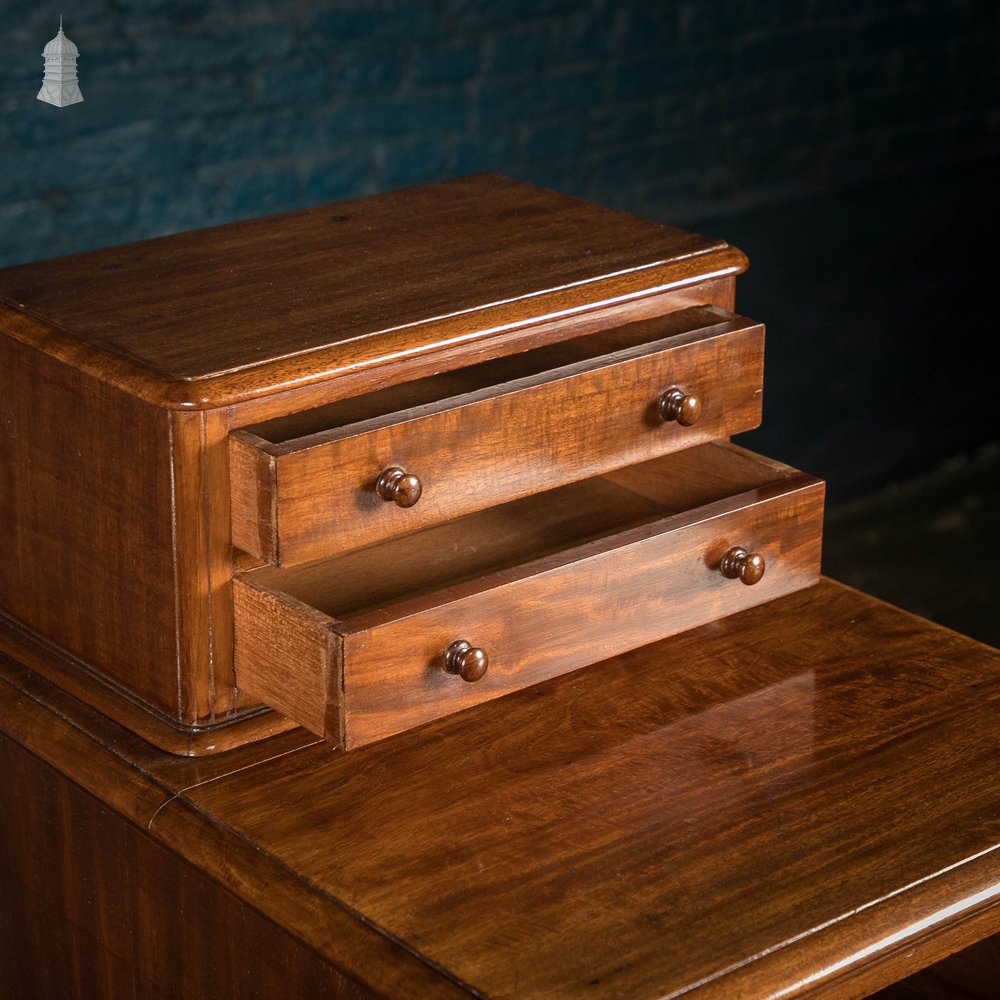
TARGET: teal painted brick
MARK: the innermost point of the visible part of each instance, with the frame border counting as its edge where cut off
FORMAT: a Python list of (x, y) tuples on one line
[(414, 161), (704, 108), (361, 22), (109, 104), (260, 189), (42, 20), (652, 26), (169, 206), (212, 111), (721, 19), (347, 173), (521, 51), (555, 140), (89, 161), (21, 61), (435, 111), (832, 42), (264, 134), (576, 91), (498, 149), (677, 154), (177, 8), (754, 98), (587, 36), (26, 229), (18, 173), (75, 214), (239, 45), (367, 71), (299, 82), (672, 72), (487, 14), (104, 55), (616, 123), (452, 62)]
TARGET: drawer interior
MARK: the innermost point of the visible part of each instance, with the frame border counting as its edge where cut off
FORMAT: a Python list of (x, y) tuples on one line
[(523, 530), (487, 375)]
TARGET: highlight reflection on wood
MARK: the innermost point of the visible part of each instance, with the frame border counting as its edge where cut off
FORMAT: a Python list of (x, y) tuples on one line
[(351, 647), (800, 800), (136, 382)]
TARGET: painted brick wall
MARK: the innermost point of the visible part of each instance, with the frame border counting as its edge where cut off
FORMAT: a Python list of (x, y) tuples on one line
[(197, 113)]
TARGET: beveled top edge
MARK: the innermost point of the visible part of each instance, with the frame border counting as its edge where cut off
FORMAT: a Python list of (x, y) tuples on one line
[(167, 368)]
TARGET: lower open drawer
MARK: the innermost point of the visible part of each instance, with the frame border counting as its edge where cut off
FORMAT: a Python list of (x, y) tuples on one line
[(382, 639)]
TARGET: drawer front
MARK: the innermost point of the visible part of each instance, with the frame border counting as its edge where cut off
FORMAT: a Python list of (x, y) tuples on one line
[(318, 496), (383, 671), (597, 606)]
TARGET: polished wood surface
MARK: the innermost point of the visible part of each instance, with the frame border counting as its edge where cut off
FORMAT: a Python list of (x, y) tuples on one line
[(116, 549), (237, 311), (738, 564), (124, 372), (799, 800), (771, 800), (466, 660), (396, 485), (106, 889), (684, 407), (521, 424), (77, 458), (374, 667)]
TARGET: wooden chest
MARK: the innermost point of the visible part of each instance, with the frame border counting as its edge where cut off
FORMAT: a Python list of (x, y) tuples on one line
[(373, 463)]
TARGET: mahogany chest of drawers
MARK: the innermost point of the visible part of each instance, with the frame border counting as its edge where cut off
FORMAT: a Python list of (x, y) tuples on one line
[(374, 463), (362, 466)]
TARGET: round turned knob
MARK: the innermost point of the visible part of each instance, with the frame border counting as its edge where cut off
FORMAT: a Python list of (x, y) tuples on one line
[(466, 660), (400, 487), (684, 407), (748, 567)]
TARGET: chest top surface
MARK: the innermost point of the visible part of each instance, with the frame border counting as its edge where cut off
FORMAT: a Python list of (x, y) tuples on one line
[(422, 265), (783, 803)]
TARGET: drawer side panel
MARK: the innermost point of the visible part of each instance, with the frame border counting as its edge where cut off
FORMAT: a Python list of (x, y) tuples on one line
[(87, 555), (287, 656)]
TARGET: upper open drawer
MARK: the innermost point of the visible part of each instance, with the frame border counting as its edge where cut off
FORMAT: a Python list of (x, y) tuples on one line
[(362, 470)]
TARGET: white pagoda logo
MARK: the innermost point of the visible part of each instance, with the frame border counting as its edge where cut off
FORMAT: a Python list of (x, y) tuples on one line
[(60, 87)]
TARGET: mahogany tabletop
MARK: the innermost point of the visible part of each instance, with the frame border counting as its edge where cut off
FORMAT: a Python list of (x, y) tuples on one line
[(798, 800)]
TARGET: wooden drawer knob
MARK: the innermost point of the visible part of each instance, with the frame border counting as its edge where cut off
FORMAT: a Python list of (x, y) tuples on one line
[(748, 567), (398, 486), (684, 407), (469, 662)]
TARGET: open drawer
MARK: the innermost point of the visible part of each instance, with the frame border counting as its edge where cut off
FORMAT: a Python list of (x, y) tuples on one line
[(375, 641), (359, 471)]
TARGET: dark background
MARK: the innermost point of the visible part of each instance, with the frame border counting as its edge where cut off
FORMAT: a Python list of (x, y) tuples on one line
[(850, 147)]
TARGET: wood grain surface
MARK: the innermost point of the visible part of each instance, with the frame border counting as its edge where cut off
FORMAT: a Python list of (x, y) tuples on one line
[(490, 433), (117, 558), (460, 348), (249, 306), (799, 800), (544, 586), (86, 522), (106, 890), (115, 515)]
